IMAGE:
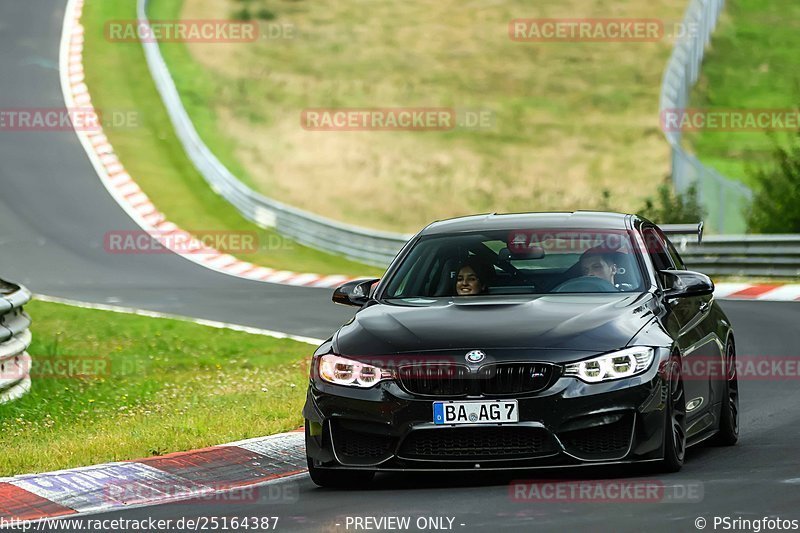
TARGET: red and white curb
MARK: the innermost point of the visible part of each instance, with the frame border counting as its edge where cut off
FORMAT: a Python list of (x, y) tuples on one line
[(203, 475), (747, 291), (128, 194)]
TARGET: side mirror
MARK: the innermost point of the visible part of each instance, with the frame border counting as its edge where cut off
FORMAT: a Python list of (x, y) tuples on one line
[(685, 283), (356, 292)]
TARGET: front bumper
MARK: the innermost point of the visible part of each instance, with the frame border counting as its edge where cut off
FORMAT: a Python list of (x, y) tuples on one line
[(568, 424)]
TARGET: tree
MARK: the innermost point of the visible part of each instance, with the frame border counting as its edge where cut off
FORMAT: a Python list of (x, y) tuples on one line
[(776, 195), (671, 208)]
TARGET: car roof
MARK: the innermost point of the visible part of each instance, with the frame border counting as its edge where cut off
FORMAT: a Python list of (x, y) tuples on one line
[(509, 221)]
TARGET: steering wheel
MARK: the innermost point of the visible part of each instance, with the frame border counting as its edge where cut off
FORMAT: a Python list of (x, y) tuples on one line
[(585, 284)]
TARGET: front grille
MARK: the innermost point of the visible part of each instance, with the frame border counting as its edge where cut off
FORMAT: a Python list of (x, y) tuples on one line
[(439, 380), (356, 446), (448, 380), (477, 443), (515, 378), (599, 441)]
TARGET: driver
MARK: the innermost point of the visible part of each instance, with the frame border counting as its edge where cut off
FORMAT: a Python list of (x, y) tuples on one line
[(599, 264)]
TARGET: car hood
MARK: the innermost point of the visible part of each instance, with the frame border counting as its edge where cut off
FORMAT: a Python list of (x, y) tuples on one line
[(567, 323)]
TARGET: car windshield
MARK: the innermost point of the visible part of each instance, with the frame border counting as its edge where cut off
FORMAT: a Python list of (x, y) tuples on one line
[(519, 261)]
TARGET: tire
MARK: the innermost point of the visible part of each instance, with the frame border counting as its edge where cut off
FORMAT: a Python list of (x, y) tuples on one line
[(338, 479), (728, 433), (675, 420)]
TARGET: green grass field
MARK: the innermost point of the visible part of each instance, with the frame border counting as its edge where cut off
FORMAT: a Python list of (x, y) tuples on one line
[(118, 79), (569, 119), (753, 63), (153, 386)]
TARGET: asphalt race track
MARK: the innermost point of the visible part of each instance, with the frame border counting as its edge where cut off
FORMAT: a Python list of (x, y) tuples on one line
[(759, 477), (54, 212)]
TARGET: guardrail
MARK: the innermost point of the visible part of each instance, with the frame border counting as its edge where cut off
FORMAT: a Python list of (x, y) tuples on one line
[(15, 337), (773, 256), (366, 245), (724, 199)]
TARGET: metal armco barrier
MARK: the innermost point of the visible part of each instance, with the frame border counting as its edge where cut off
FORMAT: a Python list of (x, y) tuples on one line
[(724, 199), (15, 337), (369, 246), (773, 256)]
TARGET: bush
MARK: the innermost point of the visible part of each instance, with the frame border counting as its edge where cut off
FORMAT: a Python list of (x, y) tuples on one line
[(251, 9), (671, 208), (776, 198), (605, 201), (265, 14), (242, 14)]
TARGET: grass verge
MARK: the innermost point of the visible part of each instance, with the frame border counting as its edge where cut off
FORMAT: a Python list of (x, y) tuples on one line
[(568, 119), (752, 64), (152, 386), (118, 78)]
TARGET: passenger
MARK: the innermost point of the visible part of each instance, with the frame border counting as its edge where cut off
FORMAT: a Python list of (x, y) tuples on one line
[(473, 277), (599, 264)]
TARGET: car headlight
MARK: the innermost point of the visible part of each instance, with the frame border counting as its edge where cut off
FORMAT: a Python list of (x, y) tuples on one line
[(615, 365), (343, 371)]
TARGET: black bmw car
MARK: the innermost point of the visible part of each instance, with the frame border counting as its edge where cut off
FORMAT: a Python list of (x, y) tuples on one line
[(523, 341)]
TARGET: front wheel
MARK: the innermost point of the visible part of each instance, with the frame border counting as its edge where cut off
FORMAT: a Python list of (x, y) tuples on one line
[(675, 420), (728, 433), (339, 479)]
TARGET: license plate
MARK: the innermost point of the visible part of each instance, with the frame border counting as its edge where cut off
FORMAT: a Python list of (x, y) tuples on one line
[(491, 412)]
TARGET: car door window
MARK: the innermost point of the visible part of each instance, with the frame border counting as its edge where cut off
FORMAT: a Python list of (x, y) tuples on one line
[(657, 250), (676, 258)]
